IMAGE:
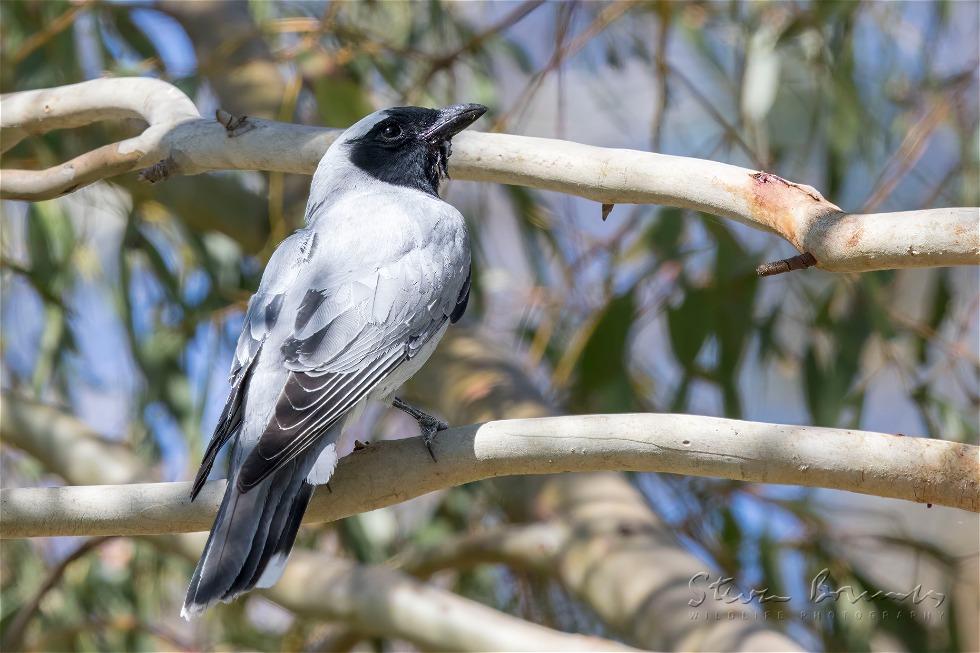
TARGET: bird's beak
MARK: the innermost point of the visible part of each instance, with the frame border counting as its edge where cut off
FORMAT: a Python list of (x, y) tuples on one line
[(453, 120)]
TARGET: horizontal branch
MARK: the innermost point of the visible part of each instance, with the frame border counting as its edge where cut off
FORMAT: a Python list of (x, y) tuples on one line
[(377, 601), (179, 143), (914, 469), (624, 562)]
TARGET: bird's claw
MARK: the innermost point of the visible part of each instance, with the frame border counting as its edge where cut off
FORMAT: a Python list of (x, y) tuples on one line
[(428, 424), (430, 427)]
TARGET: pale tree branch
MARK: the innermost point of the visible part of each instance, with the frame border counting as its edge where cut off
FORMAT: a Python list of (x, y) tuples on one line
[(557, 547), (65, 445), (914, 469), (382, 602), (837, 241), (661, 619), (375, 601), (531, 547), (65, 107), (622, 561)]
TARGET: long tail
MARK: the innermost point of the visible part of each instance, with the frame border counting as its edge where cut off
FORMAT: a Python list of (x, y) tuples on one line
[(251, 537)]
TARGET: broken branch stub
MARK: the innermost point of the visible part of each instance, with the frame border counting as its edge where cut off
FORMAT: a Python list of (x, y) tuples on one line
[(800, 262)]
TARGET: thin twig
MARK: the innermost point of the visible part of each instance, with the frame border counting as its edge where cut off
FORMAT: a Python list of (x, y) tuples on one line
[(51, 29), (13, 639), (912, 148), (604, 19), (445, 61), (663, 76), (730, 130)]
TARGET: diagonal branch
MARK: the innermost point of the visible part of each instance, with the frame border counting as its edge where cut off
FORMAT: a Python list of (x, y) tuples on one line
[(376, 600), (914, 469), (14, 635), (65, 445), (447, 60), (838, 241)]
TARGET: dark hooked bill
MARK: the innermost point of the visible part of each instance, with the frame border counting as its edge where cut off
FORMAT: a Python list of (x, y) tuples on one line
[(452, 120)]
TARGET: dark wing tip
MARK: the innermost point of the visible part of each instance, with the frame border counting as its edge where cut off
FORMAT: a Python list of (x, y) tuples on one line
[(199, 481), (195, 490), (228, 424), (463, 299)]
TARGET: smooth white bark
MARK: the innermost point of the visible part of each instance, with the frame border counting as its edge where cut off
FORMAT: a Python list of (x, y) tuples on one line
[(840, 242), (914, 469), (622, 560), (375, 601), (66, 446), (65, 107)]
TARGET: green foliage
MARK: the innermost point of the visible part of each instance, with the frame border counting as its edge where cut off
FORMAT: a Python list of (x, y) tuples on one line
[(603, 381), (830, 374), (656, 309)]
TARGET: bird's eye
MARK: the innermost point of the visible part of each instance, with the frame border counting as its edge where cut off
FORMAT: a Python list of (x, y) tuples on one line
[(391, 130)]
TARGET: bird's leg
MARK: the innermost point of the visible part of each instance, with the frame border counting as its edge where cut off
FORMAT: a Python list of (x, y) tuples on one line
[(428, 424)]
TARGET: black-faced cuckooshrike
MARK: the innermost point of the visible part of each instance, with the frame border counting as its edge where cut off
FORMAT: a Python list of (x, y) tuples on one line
[(348, 309)]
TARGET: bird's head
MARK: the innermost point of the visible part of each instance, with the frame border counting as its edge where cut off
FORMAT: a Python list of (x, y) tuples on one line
[(407, 146)]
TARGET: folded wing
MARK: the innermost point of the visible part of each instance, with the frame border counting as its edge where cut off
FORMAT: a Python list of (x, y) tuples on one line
[(348, 337)]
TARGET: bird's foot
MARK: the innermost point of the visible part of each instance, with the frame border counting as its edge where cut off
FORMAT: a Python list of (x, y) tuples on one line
[(429, 425)]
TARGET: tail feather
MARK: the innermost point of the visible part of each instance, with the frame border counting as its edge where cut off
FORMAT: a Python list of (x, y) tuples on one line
[(246, 567), (271, 530), (250, 530), (274, 558), (227, 548)]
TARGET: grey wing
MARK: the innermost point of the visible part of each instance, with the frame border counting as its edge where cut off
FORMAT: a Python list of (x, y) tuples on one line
[(260, 318), (266, 304), (348, 337)]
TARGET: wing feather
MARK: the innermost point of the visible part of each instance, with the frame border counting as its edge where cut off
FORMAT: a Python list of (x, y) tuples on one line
[(228, 424), (283, 441), (261, 317), (354, 321), (348, 337)]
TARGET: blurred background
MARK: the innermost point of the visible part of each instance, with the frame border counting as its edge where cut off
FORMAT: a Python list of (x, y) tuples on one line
[(121, 303)]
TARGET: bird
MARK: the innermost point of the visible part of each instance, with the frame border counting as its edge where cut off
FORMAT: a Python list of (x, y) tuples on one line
[(349, 307)]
